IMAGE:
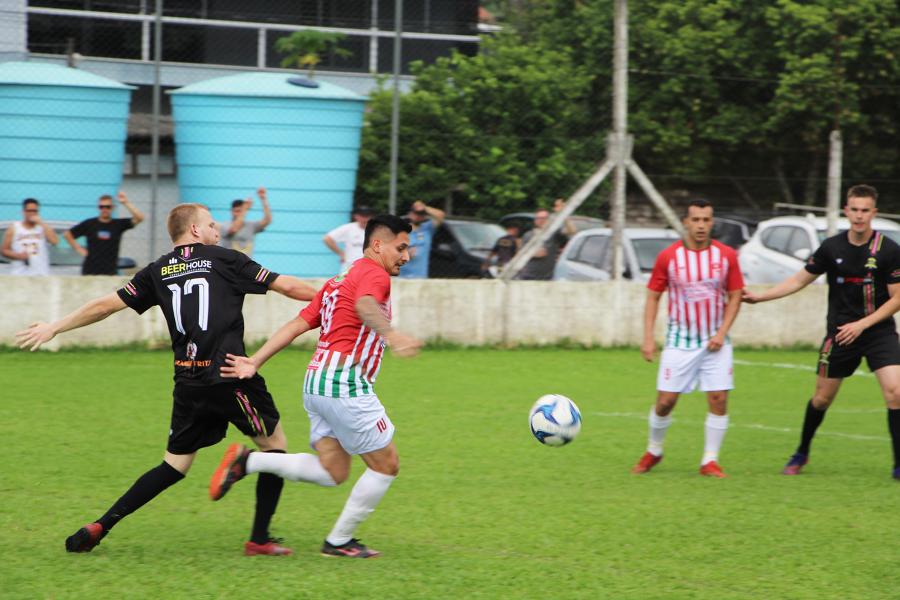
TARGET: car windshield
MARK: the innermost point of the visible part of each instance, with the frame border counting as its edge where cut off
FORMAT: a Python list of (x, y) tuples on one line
[(647, 249), (890, 233), (477, 236)]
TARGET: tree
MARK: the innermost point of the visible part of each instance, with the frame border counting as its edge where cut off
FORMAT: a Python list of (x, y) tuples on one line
[(501, 131), (305, 48)]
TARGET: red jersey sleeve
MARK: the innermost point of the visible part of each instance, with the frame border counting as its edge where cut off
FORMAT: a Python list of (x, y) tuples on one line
[(735, 280), (375, 282), (659, 278), (311, 313)]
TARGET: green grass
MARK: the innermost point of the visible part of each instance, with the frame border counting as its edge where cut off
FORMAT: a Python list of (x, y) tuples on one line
[(480, 508)]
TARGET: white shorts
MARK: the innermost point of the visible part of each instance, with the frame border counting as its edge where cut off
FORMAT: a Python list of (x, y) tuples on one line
[(681, 370), (360, 424)]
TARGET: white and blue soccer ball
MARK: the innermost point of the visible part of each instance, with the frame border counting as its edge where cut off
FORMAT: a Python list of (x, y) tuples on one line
[(555, 420)]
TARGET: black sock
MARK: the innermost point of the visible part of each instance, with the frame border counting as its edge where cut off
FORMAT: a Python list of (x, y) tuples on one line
[(894, 428), (811, 422), (145, 489), (268, 491)]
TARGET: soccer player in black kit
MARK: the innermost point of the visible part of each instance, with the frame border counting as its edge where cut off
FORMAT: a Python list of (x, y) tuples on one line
[(863, 269), (200, 289)]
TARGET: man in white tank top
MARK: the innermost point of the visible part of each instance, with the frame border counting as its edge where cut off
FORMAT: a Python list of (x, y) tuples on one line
[(25, 243)]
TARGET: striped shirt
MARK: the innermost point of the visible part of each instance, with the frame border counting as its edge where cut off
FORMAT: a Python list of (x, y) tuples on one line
[(698, 282), (348, 356)]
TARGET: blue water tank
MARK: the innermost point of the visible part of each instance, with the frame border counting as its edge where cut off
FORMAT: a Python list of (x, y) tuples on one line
[(237, 133), (62, 139)]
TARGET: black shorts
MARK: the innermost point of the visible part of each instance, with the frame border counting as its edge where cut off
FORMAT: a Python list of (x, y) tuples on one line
[(880, 349), (201, 414)]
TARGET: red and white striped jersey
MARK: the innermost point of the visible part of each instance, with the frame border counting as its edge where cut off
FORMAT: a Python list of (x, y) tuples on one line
[(698, 282), (348, 356)]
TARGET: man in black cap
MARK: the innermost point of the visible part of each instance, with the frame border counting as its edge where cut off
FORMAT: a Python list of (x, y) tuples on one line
[(351, 235)]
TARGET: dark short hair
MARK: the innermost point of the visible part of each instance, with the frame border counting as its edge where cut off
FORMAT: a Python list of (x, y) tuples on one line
[(363, 211), (699, 203), (28, 201), (236, 203), (863, 191), (392, 222)]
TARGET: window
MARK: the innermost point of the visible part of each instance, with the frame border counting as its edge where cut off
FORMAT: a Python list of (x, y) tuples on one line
[(593, 252), (799, 241), (778, 238)]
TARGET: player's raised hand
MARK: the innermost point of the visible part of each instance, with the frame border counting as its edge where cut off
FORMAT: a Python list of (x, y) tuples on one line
[(648, 350), (848, 333), (239, 367), (261, 192), (36, 334), (403, 345)]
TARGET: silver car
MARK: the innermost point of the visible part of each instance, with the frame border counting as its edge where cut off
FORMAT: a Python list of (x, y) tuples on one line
[(780, 246), (587, 256)]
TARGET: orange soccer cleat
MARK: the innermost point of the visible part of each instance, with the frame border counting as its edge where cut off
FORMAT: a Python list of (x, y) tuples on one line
[(712, 469)]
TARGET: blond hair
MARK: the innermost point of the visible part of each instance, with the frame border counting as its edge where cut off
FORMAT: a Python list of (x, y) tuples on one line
[(181, 218)]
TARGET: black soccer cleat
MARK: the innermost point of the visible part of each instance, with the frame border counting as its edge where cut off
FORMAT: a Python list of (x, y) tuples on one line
[(232, 469), (352, 549), (86, 538)]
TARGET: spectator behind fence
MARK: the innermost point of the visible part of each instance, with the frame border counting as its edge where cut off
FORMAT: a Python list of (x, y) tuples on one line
[(25, 242), (540, 267), (239, 233), (104, 235), (425, 220), (351, 235), (504, 249)]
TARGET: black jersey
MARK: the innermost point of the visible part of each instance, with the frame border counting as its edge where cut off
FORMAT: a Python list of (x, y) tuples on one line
[(858, 277), (200, 290)]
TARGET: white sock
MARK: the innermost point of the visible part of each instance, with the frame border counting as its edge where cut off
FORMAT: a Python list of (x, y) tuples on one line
[(367, 493), (716, 426), (294, 467), (658, 427)]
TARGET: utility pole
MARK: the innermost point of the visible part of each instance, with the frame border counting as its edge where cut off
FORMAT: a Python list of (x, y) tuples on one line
[(395, 106), (835, 147), (154, 133), (618, 160)]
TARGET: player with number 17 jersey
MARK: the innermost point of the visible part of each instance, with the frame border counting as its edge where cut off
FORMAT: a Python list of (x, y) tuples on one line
[(348, 355)]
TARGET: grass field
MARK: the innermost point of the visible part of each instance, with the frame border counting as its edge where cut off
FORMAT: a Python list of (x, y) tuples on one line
[(480, 509)]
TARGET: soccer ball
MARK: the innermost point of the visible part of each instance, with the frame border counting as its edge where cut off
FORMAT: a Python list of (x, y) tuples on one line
[(554, 420)]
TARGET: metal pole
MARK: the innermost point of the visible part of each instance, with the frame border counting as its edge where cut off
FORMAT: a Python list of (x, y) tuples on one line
[(395, 108), (373, 41), (835, 160), (154, 139), (618, 137)]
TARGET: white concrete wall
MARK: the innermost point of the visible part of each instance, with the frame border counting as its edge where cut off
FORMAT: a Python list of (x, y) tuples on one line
[(469, 312), (13, 30)]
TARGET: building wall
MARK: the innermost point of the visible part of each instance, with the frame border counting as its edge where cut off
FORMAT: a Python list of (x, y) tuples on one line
[(13, 28), (464, 312)]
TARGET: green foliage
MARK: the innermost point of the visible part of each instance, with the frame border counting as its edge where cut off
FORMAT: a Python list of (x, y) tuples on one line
[(719, 90), (304, 48), (480, 509), (502, 130)]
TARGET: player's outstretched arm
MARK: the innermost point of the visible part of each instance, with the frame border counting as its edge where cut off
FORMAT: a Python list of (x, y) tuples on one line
[(370, 312), (243, 367), (848, 332), (95, 310), (293, 288), (791, 285)]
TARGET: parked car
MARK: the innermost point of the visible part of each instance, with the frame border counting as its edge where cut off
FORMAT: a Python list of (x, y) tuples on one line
[(733, 230), (525, 221), (460, 247), (780, 246), (587, 256), (63, 259)]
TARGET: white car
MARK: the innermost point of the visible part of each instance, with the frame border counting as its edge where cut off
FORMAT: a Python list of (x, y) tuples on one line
[(780, 246), (587, 256)]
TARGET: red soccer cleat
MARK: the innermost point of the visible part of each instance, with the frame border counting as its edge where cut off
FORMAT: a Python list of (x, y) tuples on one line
[(232, 469), (647, 462), (712, 469), (85, 539), (271, 548)]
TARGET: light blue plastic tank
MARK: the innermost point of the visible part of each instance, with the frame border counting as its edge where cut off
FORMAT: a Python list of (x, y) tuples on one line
[(234, 134), (62, 139)]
